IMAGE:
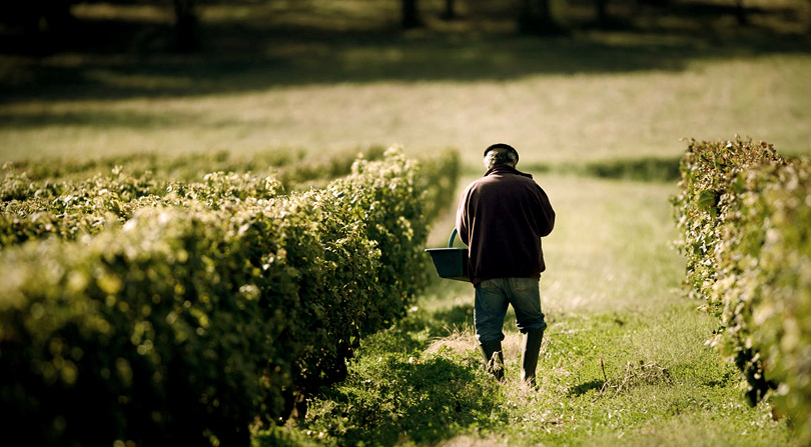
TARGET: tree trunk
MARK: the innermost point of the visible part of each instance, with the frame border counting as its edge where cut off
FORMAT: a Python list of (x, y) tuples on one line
[(740, 12), (450, 10), (57, 15), (602, 12), (186, 31), (411, 16), (546, 13), (535, 17), (525, 16)]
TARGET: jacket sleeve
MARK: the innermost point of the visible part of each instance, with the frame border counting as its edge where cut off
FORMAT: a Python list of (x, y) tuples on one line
[(463, 218), (545, 218)]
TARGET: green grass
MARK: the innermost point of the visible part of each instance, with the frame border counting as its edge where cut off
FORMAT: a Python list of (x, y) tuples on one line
[(623, 362)]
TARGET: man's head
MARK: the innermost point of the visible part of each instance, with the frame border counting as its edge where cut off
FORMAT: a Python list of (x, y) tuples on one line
[(500, 154)]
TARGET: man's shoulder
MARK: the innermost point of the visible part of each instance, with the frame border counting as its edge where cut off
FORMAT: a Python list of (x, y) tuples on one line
[(503, 179)]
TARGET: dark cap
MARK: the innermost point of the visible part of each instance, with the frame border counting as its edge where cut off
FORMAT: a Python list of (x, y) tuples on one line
[(501, 146)]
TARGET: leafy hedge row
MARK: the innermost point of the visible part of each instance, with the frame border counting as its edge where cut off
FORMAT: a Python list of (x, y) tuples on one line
[(745, 214), (107, 201), (191, 323), (69, 208), (48, 178)]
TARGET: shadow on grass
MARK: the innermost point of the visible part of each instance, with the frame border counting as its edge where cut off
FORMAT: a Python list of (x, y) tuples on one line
[(396, 393), (394, 399), (415, 332), (457, 316), (585, 387)]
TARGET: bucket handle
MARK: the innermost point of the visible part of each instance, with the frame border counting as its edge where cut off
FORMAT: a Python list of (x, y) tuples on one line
[(453, 235)]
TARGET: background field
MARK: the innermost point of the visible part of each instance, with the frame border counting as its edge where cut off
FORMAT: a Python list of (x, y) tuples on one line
[(324, 76), (330, 76)]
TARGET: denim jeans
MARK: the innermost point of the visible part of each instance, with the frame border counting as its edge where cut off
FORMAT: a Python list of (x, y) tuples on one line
[(492, 298)]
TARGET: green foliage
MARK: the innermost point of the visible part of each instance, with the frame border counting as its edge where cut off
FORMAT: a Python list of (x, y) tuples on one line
[(70, 209), (67, 207), (211, 309), (707, 171), (745, 215), (24, 179), (187, 167)]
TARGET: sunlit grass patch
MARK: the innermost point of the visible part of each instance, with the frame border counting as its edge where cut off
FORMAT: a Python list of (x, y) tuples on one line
[(594, 384), (460, 342), (610, 248)]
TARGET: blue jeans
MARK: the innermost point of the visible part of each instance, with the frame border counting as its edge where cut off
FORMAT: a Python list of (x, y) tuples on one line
[(492, 298)]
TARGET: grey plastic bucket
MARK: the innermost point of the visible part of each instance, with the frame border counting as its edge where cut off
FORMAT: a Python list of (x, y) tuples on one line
[(450, 263)]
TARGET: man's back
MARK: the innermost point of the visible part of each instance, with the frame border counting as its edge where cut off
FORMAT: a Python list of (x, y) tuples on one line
[(502, 217)]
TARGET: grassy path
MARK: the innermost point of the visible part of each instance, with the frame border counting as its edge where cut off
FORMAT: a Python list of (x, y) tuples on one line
[(623, 360)]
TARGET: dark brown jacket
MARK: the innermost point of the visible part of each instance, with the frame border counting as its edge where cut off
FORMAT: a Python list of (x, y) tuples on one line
[(502, 217)]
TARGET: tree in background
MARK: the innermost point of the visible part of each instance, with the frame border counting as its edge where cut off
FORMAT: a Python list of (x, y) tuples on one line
[(411, 15), (535, 17), (54, 18), (187, 36), (450, 10), (740, 12), (602, 12), (35, 16)]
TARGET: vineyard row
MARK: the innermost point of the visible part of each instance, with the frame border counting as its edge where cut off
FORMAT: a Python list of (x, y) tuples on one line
[(201, 318), (39, 200), (745, 216)]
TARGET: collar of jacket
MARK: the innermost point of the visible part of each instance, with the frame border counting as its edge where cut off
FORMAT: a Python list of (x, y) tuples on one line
[(505, 169)]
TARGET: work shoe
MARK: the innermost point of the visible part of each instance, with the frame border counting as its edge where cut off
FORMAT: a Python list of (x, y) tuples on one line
[(493, 358), (529, 355)]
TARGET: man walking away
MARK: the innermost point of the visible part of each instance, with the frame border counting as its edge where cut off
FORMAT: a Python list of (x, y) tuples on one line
[(502, 218)]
